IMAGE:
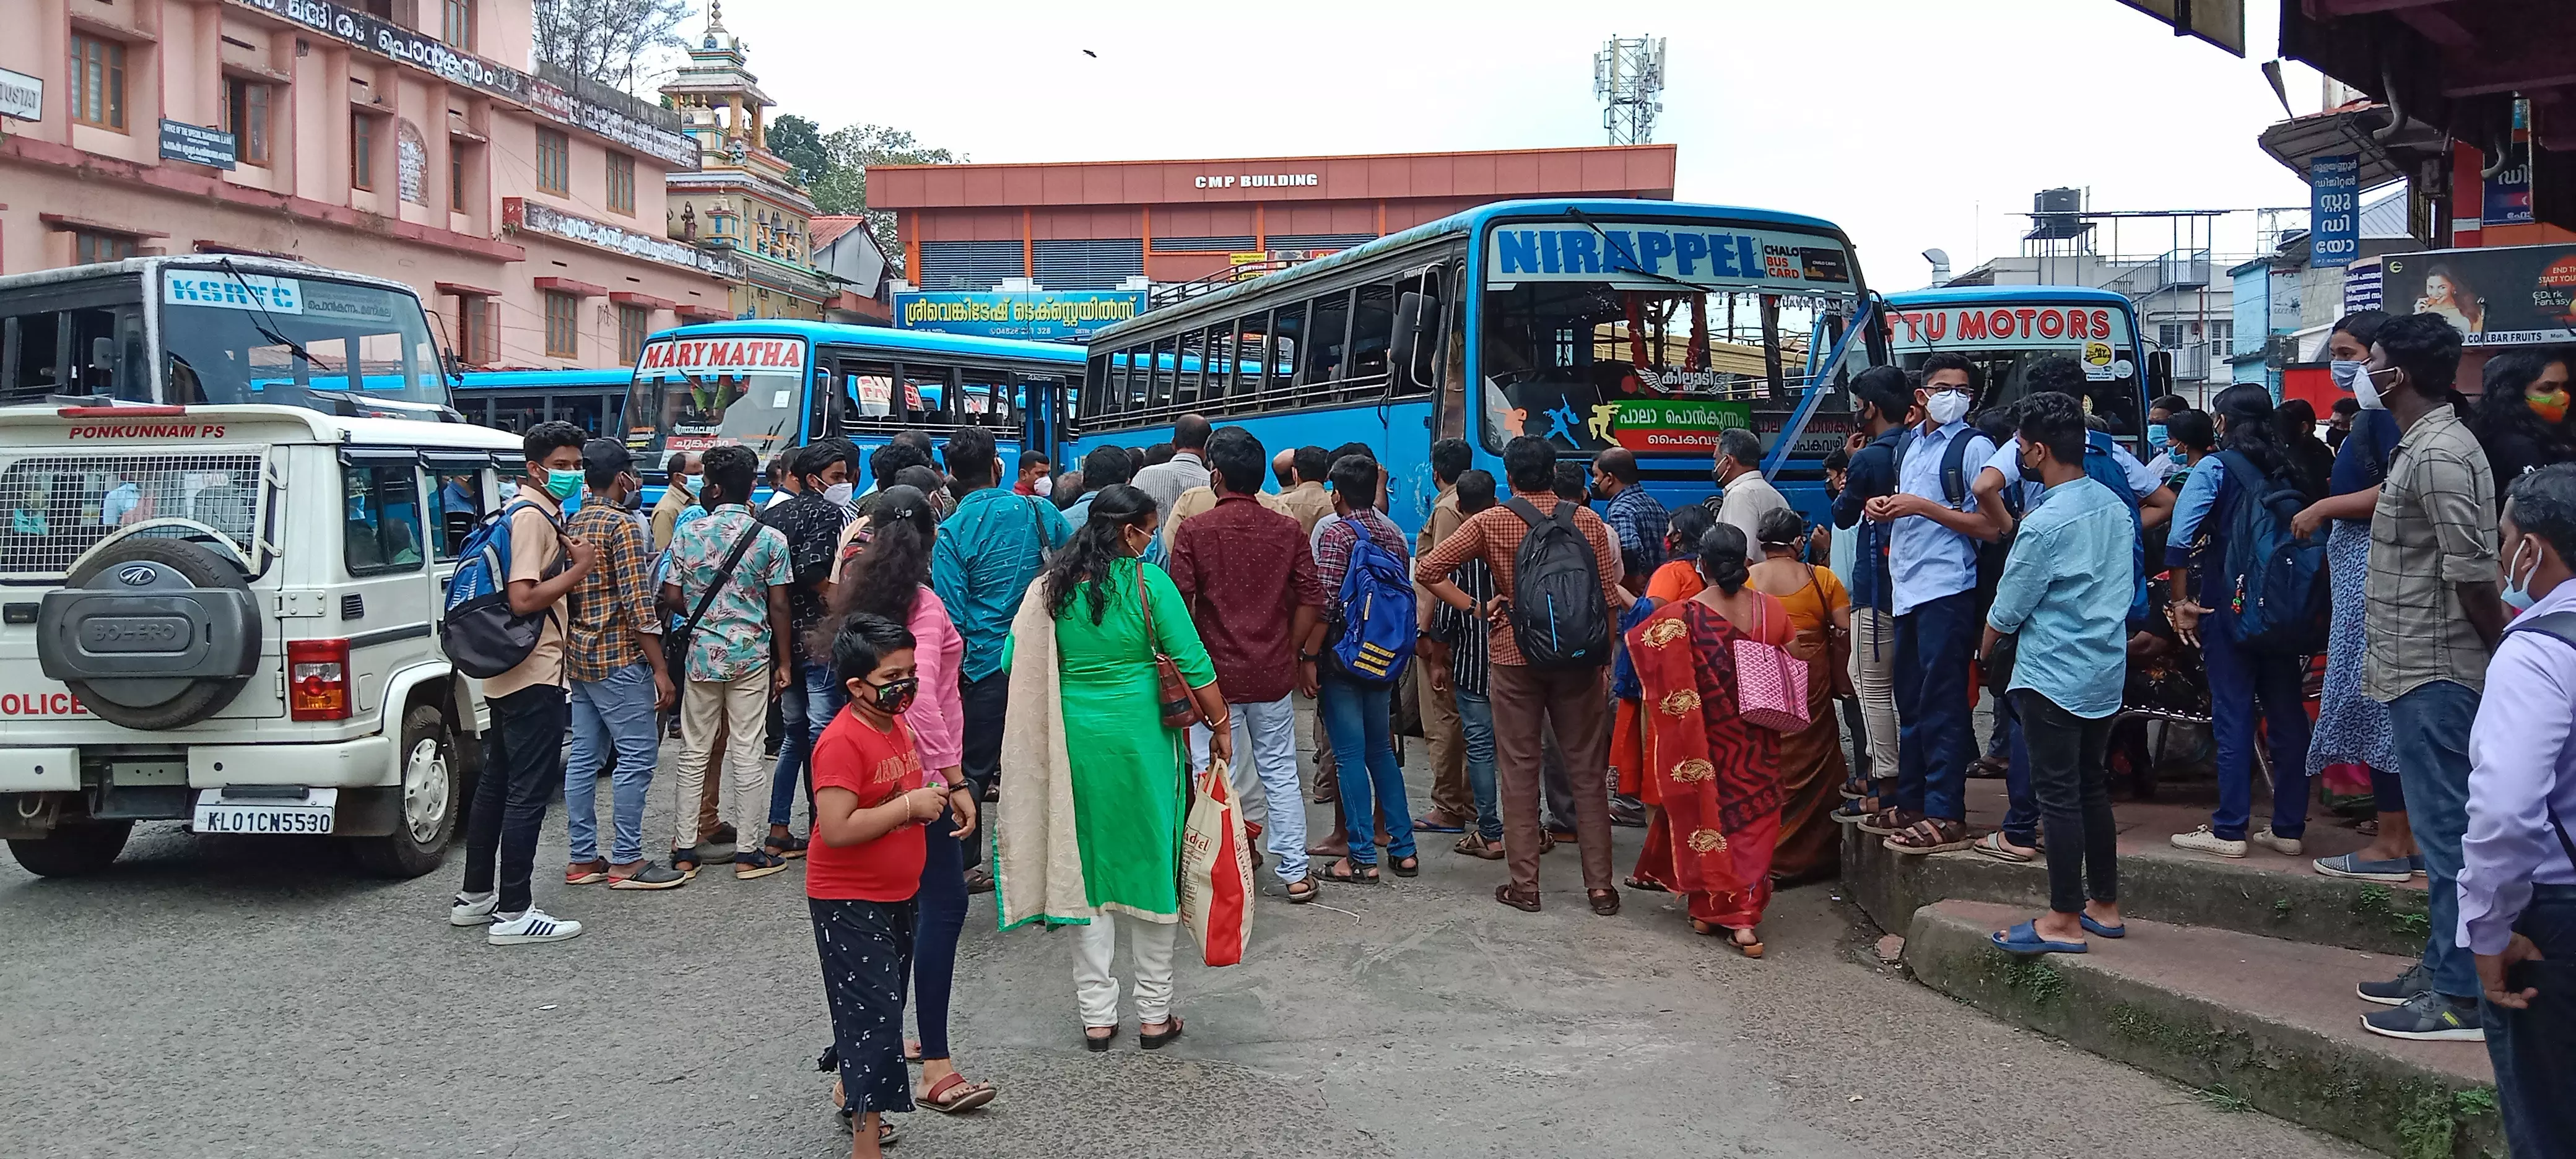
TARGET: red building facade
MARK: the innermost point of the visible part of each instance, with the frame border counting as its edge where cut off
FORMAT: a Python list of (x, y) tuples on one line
[(1093, 225)]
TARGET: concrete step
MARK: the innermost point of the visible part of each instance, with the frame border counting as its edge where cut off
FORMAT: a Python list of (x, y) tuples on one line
[(2264, 893), (2248, 1020)]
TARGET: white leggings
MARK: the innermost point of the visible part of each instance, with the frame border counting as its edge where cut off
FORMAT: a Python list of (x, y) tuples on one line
[(1873, 667), (1149, 945)]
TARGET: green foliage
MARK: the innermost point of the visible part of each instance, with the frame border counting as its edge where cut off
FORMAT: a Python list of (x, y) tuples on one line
[(2035, 977), (799, 142), (2219, 1098), (2432, 1120), (2407, 918), (834, 167)]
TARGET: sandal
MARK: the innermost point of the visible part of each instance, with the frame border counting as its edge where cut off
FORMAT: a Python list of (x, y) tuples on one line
[(1604, 901), (953, 1095), (1524, 902), (789, 847), (1890, 821), (1159, 1041), (687, 862), (2024, 941), (1407, 867), (1995, 846), (1099, 1043), (1474, 846), (886, 1133), (1310, 893), (1855, 787), (1734, 937), (1854, 810), (757, 863), (1347, 872), (1546, 843), (1642, 885), (1930, 835)]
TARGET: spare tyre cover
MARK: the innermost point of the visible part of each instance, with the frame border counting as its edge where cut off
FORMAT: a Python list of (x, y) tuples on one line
[(151, 632)]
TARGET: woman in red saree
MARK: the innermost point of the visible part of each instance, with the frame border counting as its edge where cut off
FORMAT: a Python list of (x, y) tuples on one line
[(1718, 778)]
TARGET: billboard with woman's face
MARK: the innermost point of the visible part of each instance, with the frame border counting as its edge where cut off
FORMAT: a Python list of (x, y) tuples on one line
[(2504, 296)]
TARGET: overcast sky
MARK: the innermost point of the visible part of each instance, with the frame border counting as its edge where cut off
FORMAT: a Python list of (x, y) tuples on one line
[(1906, 122)]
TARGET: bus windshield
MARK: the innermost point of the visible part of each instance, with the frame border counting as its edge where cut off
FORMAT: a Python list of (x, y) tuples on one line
[(1649, 335), (695, 393), (345, 347)]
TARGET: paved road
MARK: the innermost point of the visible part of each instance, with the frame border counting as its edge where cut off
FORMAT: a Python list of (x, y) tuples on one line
[(241, 996)]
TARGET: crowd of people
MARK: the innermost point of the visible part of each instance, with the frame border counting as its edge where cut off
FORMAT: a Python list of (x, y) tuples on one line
[(1053, 653)]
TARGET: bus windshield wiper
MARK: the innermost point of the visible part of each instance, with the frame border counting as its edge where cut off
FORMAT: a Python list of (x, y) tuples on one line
[(1634, 266), (267, 325)]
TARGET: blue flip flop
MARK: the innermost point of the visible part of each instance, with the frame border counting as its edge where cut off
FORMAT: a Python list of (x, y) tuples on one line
[(2024, 940), (2099, 930)]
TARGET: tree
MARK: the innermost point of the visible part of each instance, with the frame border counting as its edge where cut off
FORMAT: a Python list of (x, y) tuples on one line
[(799, 142), (607, 41), (842, 186)]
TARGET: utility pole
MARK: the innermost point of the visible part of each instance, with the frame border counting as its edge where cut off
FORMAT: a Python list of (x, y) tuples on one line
[(1628, 77)]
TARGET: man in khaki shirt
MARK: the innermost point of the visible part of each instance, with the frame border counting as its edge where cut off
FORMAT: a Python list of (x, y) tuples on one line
[(1452, 803), (1308, 502), (1201, 499), (680, 473), (523, 746)]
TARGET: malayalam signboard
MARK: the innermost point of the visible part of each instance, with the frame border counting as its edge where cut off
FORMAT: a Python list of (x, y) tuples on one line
[(1715, 256), (1039, 315), (1670, 425), (2497, 296), (2334, 210), (196, 144)]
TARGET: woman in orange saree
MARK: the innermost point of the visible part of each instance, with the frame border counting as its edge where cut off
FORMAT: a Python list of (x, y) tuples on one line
[(1717, 778), (1812, 769)]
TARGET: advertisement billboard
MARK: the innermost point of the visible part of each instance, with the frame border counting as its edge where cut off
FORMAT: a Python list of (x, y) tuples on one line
[(2334, 210), (1039, 315), (2501, 296)]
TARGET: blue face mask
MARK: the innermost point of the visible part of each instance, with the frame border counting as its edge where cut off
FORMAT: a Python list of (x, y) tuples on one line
[(563, 484), (2157, 435), (2517, 593), (2346, 373)]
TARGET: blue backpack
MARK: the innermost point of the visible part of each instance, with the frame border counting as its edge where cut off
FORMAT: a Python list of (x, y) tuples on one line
[(482, 637), (1376, 613), (2275, 582), (2103, 468)]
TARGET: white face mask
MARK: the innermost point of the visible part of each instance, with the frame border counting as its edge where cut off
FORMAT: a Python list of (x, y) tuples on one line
[(1947, 406), (2365, 390), (838, 493), (1044, 486)]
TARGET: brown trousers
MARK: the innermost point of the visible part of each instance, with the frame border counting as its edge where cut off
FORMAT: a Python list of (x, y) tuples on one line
[(1446, 736), (1576, 703)]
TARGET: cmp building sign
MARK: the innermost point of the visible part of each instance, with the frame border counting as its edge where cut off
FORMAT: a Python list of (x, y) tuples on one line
[(636, 128)]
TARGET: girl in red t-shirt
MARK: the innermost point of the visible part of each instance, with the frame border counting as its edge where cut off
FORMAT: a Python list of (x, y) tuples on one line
[(865, 865)]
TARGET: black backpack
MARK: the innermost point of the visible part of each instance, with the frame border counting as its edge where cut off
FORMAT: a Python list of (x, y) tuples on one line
[(1557, 612), (1955, 470)]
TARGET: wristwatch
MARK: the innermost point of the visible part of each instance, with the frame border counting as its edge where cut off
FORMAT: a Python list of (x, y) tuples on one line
[(1309, 657)]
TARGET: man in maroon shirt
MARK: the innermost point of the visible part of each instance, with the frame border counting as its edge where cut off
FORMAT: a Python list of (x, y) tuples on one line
[(1250, 582)]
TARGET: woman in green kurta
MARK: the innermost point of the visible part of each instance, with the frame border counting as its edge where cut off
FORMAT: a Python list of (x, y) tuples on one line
[(1129, 772)]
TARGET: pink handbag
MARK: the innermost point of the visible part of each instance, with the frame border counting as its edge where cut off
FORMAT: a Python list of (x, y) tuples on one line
[(1770, 685)]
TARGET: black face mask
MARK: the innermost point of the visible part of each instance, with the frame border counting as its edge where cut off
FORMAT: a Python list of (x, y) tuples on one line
[(894, 696)]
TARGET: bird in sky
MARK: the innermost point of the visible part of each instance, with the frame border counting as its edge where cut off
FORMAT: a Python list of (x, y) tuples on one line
[(1093, 55)]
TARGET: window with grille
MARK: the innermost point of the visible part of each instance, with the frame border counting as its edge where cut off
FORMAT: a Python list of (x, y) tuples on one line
[(633, 323), (456, 24), (89, 246), (362, 151), (554, 162), (621, 183), (98, 82), (246, 118), (563, 325)]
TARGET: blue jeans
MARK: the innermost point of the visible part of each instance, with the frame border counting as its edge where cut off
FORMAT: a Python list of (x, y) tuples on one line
[(804, 711), (940, 918), (2432, 750), (1355, 716), (2534, 1050), (2237, 680), (615, 712), (1936, 739), (1476, 716), (2021, 811)]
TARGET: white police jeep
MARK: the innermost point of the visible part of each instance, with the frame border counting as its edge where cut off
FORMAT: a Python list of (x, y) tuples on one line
[(226, 615)]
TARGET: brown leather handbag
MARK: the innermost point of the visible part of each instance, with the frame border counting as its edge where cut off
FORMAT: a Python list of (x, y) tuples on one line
[(1180, 708)]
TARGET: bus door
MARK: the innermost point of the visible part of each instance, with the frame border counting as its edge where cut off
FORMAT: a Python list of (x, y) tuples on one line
[(1046, 401)]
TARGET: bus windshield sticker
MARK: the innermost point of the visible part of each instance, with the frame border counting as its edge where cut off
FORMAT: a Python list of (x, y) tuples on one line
[(726, 355), (2006, 326), (226, 290), (1729, 256)]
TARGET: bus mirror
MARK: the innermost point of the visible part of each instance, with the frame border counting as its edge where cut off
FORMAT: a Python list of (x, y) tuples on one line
[(1410, 346), (2159, 373)]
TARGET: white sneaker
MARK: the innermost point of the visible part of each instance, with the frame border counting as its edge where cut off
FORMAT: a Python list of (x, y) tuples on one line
[(2286, 846), (469, 912), (2201, 840), (529, 928)]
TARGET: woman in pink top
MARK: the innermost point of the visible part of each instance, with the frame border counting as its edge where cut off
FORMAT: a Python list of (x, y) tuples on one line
[(890, 577)]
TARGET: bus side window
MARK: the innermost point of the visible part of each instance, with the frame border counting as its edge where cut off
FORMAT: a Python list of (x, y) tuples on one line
[(1191, 366), (1242, 349), (1372, 327), (1279, 356), (1167, 372), (34, 349), (1325, 358)]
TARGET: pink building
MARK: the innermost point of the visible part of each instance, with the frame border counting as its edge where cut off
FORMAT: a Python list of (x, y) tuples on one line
[(401, 138)]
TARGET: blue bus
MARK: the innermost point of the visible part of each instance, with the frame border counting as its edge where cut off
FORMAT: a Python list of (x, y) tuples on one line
[(771, 384), (2003, 330), (514, 400), (1651, 325)]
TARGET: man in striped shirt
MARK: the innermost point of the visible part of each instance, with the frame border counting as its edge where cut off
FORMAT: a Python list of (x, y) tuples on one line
[(1466, 639)]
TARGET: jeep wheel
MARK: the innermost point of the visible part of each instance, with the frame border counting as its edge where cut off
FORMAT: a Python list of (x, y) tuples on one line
[(429, 799), (151, 633), (73, 850)]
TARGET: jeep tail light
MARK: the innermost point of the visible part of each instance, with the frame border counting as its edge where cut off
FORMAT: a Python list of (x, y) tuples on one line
[(317, 680)]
